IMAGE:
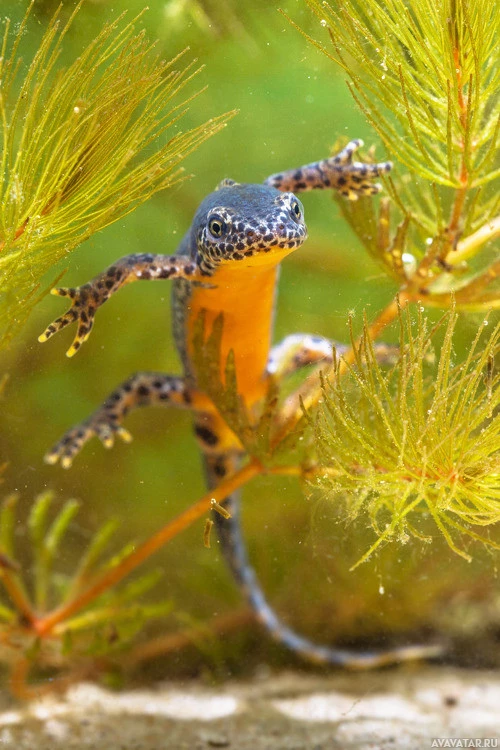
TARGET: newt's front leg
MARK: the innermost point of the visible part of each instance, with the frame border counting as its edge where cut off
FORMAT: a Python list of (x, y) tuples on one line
[(86, 299), (339, 172), (141, 389)]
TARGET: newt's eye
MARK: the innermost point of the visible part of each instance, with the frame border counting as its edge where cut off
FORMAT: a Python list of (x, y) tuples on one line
[(216, 226), (296, 209)]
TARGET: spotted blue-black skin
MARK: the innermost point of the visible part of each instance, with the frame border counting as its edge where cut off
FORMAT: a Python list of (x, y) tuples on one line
[(257, 219), (254, 219)]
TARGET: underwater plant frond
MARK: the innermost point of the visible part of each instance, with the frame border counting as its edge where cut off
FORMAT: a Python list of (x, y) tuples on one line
[(106, 626), (419, 439), (426, 76), (77, 146)]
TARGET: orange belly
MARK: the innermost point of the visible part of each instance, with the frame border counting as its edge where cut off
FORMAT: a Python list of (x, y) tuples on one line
[(245, 296)]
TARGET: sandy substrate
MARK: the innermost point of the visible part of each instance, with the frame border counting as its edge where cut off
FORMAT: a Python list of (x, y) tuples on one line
[(391, 710)]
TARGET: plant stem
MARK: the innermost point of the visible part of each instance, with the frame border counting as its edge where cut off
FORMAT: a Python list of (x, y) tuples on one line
[(19, 233), (17, 595), (173, 642), (309, 394), (18, 678), (480, 282), (469, 245), (461, 193), (44, 625)]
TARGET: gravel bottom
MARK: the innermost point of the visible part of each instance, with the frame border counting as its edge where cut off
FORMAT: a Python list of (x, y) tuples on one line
[(393, 710)]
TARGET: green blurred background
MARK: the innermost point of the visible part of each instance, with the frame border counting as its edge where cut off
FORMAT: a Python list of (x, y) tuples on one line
[(293, 105)]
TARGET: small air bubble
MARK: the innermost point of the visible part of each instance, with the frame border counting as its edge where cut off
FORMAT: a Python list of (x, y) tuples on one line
[(409, 264), (76, 110), (381, 590), (428, 241), (323, 22), (485, 322)]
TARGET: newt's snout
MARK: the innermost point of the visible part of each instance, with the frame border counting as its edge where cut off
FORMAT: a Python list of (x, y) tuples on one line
[(239, 222)]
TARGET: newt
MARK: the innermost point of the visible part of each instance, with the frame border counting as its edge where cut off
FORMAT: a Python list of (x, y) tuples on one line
[(228, 262)]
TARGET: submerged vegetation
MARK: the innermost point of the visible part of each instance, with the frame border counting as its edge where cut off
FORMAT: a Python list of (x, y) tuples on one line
[(412, 447), (417, 441), (426, 77), (77, 145), (105, 628)]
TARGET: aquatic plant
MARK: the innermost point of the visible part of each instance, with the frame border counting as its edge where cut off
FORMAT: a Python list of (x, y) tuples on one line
[(417, 441), (412, 447), (426, 77), (77, 145), (103, 630)]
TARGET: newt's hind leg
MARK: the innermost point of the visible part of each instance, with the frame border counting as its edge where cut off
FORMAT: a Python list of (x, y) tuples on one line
[(301, 349), (298, 350), (339, 172), (141, 389)]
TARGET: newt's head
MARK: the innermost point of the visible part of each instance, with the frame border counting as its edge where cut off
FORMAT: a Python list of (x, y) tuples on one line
[(250, 224)]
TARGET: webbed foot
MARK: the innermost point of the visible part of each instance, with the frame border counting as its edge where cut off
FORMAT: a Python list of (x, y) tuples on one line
[(102, 424), (85, 300)]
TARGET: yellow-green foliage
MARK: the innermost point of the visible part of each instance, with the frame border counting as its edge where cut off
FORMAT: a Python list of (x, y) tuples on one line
[(438, 63), (76, 146), (106, 626), (419, 440), (426, 76)]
